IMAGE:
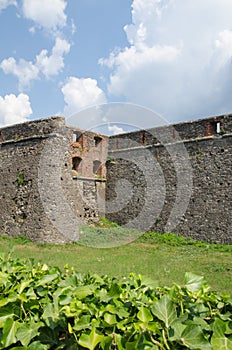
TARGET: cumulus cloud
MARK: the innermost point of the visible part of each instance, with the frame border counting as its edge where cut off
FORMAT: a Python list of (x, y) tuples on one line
[(5, 3), (223, 45), (14, 109), (48, 14), (81, 93), (178, 59), (114, 129), (26, 71), (52, 65)]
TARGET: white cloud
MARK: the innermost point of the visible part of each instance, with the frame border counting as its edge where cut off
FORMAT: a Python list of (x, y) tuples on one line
[(133, 58), (14, 109), (5, 3), (26, 71), (81, 93), (53, 64), (223, 45), (114, 129), (134, 67), (178, 59), (73, 27), (48, 14), (32, 30)]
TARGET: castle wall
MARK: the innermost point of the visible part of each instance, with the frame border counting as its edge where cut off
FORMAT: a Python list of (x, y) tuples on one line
[(39, 197), (54, 178), (180, 179), (190, 130), (45, 194)]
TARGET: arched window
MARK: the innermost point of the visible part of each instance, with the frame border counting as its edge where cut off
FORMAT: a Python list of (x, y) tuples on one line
[(76, 161)]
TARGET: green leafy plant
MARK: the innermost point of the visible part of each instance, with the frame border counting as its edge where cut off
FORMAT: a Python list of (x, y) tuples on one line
[(173, 239), (107, 223), (222, 132), (44, 308), (20, 179)]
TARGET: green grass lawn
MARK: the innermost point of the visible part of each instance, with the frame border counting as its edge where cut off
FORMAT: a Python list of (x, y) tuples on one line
[(164, 258)]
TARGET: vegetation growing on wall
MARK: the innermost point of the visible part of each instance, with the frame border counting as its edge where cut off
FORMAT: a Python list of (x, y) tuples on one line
[(20, 179)]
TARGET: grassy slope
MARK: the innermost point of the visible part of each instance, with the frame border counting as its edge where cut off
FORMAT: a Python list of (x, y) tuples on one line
[(163, 258)]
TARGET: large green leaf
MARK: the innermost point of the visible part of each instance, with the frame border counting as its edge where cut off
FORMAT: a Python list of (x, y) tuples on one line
[(23, 285), (110, 318), (83, 291), (144, 315), (49, 311), (47, 279), (9, 332), (193, 338), (219, 328), (132, 345), (5, 312), (114, 291), (10, 299), (193, 282), (3, 278), (221, 343), (26, 332), (176, 331), (219, 340), (165, 310), (51, 315), (37, 345), (119, 309), (82, 323), (91, 340)]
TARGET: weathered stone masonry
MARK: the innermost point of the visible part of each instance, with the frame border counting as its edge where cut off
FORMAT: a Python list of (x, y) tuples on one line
[(44, 161), (208, 143), (38, 164)]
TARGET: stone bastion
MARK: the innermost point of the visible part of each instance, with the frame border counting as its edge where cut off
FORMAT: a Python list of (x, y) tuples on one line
[(175, 178)]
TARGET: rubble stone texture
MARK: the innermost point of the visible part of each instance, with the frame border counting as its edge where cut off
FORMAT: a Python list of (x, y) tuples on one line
[(54, 178)]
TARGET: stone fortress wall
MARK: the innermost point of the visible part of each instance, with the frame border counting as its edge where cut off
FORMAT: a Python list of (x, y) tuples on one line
[(41, 190), (172, 178), (201, 151)]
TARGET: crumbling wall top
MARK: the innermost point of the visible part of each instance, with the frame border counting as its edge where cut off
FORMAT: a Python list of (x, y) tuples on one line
[(171, 133), (40, 127)]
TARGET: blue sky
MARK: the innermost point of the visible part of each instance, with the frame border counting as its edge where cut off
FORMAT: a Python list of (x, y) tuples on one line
[(59, 57)]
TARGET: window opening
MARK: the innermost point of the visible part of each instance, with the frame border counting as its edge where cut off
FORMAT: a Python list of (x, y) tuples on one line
[(96, 141), (77, 137), (214, 128), (218, 127), (143, 138), (76, 161), (97, 167)]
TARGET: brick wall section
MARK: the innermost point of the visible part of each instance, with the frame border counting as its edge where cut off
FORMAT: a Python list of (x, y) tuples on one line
[(89, 147), (90, 150)]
